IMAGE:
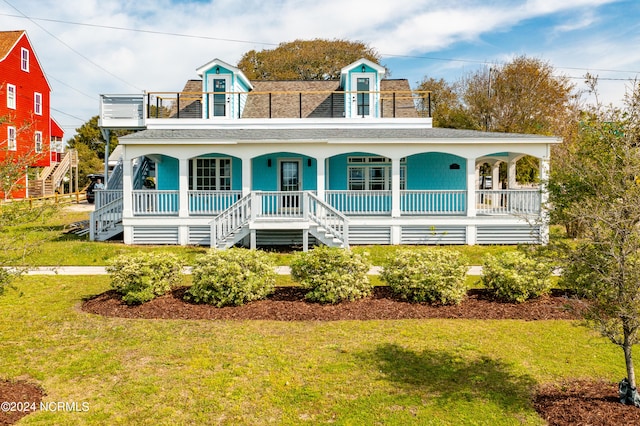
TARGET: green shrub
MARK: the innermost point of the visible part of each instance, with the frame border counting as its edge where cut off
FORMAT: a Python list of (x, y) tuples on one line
[(141, 277), (232, 277), (516, 277), (434, 276), (332, 275)]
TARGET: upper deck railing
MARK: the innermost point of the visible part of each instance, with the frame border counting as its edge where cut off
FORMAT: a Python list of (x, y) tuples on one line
[(301, 104)]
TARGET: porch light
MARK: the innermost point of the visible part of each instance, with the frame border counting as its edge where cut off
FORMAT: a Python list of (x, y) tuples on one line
[(454, 166), (363, 69), (308, 162), (217, 70), (268, 162)]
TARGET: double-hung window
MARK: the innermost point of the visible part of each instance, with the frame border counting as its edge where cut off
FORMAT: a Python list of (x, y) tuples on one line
[(11, 96), (11, 139), (24, 59), (37, 103), (373, 174), (210, 174), (37, 138)]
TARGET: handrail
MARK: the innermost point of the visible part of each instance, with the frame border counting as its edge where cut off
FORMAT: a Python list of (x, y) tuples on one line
[(105, 218), (61, 169), (328, 218), (231, 219)]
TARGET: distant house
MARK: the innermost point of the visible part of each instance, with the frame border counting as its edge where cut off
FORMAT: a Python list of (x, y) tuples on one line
[(26, 126), (229, 161)]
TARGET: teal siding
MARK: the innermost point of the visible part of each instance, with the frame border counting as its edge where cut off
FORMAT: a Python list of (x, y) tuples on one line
[(265, 178), (168, 174), (431, 171)]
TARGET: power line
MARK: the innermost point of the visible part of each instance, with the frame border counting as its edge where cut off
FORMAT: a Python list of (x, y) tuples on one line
[(430, 58), (71, 48)]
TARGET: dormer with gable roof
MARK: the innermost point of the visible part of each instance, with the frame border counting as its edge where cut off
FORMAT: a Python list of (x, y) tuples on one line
[(225, 89), (361, 84)]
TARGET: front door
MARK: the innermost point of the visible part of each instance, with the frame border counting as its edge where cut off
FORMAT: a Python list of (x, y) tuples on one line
[(218, 100), (290, 182)]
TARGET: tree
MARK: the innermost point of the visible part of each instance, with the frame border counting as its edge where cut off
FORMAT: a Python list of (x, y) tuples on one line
[(603, 193), (317, 59), (446, 108), (90, 145)]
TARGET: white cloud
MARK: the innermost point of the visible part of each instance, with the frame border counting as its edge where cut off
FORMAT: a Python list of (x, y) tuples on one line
[(157, 62)]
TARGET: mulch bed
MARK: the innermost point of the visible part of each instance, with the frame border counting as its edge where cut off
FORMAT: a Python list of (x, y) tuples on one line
[(288, 304), (21, 396), (570, 403)]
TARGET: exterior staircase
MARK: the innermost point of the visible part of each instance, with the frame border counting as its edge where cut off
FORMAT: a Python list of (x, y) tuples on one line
[(51, 177), (319, 219)]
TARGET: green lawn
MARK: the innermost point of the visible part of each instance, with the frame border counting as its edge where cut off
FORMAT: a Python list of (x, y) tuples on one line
[(259, 372), (64, 249)]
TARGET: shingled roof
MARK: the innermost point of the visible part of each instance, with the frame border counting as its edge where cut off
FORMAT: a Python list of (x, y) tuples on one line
[(307, 99), (8, 39)]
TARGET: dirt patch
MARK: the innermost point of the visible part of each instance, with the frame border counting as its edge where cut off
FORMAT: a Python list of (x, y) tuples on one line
[(18, 398), (288, 304), (584, 403)]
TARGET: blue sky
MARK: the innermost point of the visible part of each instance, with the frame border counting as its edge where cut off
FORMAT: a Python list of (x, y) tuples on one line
[(91, 47)]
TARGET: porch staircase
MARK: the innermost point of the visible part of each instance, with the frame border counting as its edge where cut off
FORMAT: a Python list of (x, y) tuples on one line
[(319, 219), (50, 178)]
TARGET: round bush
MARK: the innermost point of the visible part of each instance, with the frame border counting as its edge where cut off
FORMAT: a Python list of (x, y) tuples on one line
[(332, 275), (515, 277), (434, 276), (232, 277), (141, 277)]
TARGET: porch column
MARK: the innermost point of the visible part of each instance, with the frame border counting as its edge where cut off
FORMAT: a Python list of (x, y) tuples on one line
[(511, 172), (471, 187), (127, 196), (544, 198), (395, 187), (246, 176), (495, 175), (183, 185), (320, 184)]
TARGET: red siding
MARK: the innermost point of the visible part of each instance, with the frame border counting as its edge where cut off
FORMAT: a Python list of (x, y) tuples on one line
[(23, 118)]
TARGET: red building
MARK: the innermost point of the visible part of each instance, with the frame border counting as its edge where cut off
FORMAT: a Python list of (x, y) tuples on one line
[(27, 132)]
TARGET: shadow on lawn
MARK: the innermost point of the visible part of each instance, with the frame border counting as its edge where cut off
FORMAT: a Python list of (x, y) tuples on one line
[(449, 377)]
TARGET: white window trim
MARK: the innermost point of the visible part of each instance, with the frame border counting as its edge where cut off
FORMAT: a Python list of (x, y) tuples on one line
[(11, 96), (37, 103), (217, 177), (24, 59), (12, 144), (37, 138), (367, 175)]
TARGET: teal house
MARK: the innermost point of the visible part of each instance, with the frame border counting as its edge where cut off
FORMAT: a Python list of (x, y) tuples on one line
[(228, 161)]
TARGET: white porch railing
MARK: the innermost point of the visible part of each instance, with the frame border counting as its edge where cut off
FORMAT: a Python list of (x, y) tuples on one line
[(508, 201), (105, 219), (328, 218), (211, 202), (105, 196), (231, 220), (360, 202), (425, 202), (155, 202), (279, 204)]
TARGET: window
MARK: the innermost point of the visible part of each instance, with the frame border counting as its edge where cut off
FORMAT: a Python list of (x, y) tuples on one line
[(11, 138), (373, 174), (37, 103), (363, 96), (38, 141), (210, 174), (24, 63), (11, 96)]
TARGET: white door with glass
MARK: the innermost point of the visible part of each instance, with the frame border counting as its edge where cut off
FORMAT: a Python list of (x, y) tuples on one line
[(362, 100)]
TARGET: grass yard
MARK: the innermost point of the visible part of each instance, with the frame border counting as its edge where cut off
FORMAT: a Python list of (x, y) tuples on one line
[(260, 372)]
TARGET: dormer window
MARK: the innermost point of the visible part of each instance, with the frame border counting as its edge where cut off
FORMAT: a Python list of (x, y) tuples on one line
[(364, 96), (24, 62)]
